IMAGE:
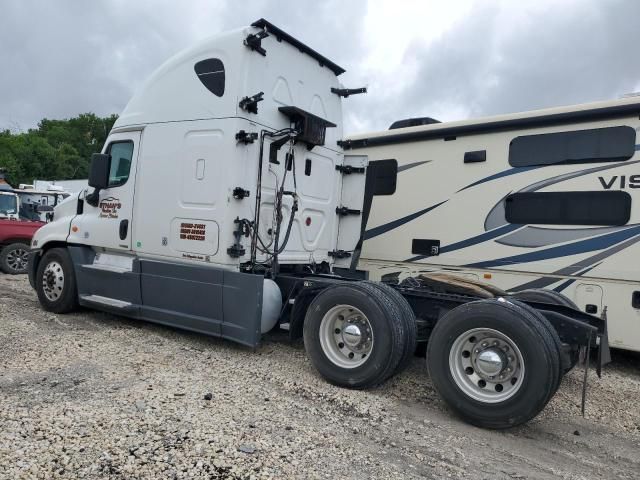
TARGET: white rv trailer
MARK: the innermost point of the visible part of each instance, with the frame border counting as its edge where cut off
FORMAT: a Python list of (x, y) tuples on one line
[(32, 200), (222, 204), (68, 186), (542, 199)]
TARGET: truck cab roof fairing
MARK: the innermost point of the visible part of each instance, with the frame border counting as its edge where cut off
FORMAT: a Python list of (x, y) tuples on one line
[(174, 92), (281, 35)]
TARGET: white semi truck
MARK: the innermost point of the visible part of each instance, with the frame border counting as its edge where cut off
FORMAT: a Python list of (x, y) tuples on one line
[(222, 204), (9, 209), (541, 199)]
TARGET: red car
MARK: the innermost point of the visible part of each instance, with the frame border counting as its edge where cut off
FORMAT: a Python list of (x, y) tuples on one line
[(15, 235)]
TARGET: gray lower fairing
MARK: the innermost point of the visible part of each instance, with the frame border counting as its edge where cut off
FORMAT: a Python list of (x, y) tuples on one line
[(203, 299)]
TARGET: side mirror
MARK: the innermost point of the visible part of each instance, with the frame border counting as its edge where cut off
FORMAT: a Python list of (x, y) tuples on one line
[(383, 174), (99, 171), (98, 176)]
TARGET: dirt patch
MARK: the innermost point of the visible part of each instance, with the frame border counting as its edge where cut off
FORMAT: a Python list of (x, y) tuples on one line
[(91, 395)]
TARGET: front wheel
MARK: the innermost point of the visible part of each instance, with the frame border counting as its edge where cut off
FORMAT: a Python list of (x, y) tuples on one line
[(493, 363), (14, 258), (56, 282)]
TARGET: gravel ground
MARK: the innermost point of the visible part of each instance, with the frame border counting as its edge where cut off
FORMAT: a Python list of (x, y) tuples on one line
[(92, 395)]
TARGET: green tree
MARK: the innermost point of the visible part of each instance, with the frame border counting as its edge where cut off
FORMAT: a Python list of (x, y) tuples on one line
[(56, 149)]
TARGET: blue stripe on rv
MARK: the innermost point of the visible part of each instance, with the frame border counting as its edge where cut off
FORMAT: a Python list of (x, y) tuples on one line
[(374, 232), (510, 171), (483, 237), (504, 173), (575, 248), (564, 285)]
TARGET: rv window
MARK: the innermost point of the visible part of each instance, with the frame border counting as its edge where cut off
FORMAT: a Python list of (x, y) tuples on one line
[(211, 74), (611, 144), (569, 208), (121, 155)]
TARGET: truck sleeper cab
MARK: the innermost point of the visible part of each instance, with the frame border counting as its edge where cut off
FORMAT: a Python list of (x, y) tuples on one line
[(222, 204)]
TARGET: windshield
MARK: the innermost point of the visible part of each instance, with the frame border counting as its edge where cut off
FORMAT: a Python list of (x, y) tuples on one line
[(8, 205)]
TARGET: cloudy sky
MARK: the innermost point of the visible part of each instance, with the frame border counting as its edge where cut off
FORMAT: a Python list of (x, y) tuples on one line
[(449, 60)]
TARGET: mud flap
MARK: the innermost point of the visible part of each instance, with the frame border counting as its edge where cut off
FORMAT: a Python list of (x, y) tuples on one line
[(604, 353)]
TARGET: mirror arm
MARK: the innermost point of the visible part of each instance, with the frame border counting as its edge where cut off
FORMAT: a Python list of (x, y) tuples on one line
[(93, 198)]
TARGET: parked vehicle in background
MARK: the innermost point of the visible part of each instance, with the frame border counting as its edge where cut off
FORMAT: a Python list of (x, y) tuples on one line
[(68, 186), (532, 200), (8, 205), (15, 235), (31, 200)]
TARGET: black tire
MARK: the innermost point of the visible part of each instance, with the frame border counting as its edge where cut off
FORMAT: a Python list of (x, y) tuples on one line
[(385, 319), (421, 349), (544, 296), (53, 296), (544, 324), (555, 298), (14, 258), (409, 319), (537, 348)]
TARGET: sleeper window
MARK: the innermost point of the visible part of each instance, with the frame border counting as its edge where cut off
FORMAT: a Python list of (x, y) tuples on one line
[(121, 156), (211, 74)]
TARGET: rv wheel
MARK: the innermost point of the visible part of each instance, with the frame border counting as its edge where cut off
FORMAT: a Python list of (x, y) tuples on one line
[(572, 352), (544, 296), (14, 258), (56, 282), (493, 362), (354, 334)]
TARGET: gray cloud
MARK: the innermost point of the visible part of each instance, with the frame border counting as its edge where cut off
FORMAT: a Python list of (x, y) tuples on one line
[(65, 57), (484, 65)]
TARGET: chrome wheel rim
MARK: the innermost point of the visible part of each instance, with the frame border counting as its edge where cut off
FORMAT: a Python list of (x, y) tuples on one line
[(486, 365), (17, 259), (53, 281), (346, 336)]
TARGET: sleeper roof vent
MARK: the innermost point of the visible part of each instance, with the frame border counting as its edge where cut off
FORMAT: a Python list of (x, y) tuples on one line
[(311, 127), (413, 122)]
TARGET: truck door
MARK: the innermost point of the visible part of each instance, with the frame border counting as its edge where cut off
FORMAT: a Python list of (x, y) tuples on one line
[(108, 224)]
